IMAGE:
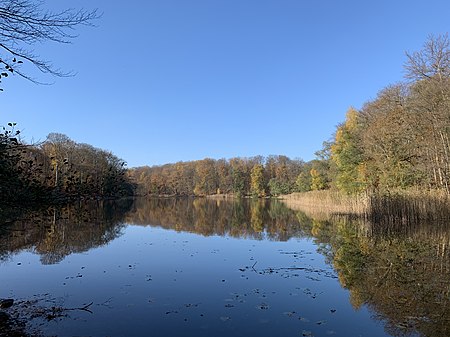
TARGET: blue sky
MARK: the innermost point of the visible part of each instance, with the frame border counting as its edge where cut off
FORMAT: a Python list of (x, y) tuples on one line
[(177, 80)]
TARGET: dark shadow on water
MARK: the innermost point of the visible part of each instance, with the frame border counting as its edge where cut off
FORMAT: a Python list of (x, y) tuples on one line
[(56, 232), (400, 271)]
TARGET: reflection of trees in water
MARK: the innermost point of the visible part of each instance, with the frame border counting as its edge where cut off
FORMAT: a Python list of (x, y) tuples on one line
[(60, 231), (254, 219), (401, 272)]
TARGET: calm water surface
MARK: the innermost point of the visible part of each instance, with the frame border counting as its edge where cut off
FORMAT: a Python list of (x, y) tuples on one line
[(217, 268)]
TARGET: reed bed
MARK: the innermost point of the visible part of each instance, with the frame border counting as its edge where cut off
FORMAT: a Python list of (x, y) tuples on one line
[(420, 215), (403, 206), (410, 206), (328, 202)]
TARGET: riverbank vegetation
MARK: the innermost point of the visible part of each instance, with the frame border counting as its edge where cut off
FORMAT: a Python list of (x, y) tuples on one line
[(398, 206), (390, 160), (256, 176), (401, 138), (58, 169)]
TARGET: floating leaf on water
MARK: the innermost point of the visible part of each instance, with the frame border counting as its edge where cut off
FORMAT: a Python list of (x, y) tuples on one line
[(191, 305), (263, 306)]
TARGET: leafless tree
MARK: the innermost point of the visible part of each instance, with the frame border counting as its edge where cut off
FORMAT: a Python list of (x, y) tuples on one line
[(25, 23), (430, 69), (432, 62)]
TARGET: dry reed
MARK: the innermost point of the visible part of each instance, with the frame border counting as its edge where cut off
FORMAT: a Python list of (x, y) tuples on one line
[(403, 206)]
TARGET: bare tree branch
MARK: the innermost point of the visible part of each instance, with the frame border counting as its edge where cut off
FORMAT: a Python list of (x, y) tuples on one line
[(433, 61), (24, 23)]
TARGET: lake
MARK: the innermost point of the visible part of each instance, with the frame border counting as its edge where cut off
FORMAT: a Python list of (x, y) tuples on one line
[(199, 267)]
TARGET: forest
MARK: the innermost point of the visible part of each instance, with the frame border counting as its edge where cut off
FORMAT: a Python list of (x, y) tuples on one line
[(256, 176), (58, 169), (397, 141), (401, 138)]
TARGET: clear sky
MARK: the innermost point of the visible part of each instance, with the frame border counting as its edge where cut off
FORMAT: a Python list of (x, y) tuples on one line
[(162, 81)]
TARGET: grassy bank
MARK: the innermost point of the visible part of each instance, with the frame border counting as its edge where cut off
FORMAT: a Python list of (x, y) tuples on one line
[(399, 206)]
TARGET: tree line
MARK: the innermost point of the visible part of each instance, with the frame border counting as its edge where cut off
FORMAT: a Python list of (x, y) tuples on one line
[(57, 169), (401, 138), (256, 176)]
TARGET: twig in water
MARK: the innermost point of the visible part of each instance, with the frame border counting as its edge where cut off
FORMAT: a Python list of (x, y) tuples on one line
[(107, 302), (85, 308)]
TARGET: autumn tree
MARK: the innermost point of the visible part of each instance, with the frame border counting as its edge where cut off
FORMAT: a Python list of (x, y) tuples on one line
[(257, 181), (205, 177), (347, 154), (282, 173), (401, 138), (58, 169), (239, 176), (390, 141), (80, 169), (224, 176), (303, 181)]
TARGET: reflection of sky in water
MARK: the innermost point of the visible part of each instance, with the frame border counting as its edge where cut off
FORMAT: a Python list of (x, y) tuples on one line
[(156, 282)]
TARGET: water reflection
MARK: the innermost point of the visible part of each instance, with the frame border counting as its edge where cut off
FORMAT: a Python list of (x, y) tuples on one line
[(255, 219), (401, 273), (57, 232)]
